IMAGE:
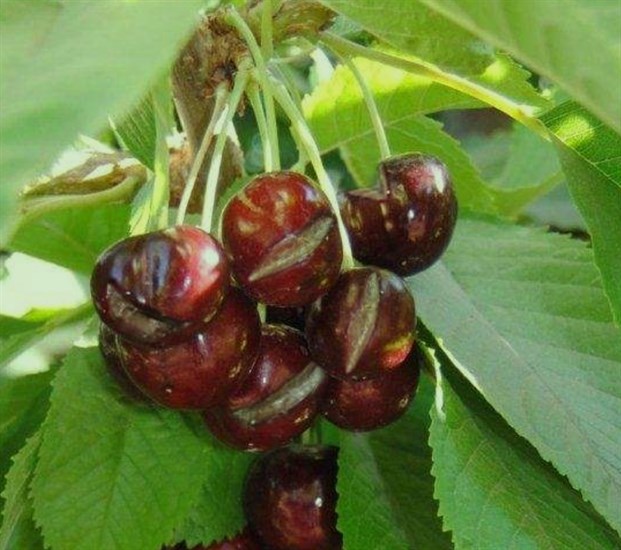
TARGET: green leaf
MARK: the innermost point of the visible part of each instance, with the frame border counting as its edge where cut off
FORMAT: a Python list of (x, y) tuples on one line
[(385, 485), (495, 491), (522, 314), (72, 238), (575, 44), (20, 334), (66, 66), (218, 514), (23, 404), (112, 474), (416, 29), (338, 117), (18, 530), (137, 131), (591, 157)]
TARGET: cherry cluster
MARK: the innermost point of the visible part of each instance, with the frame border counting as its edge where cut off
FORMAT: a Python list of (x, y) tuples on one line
[(181, 325), (337, 343)]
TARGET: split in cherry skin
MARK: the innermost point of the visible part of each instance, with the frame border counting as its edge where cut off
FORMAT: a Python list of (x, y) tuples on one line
[(364, 327), (282, 239), (407, 223), (278, 400), (158, 288)]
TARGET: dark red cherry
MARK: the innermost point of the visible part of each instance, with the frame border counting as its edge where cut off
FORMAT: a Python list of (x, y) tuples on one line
[(364, 326), (290, 499), (282, 239), (199, 372), (277, 401), (406, 225), (363, 405), (159, 287)]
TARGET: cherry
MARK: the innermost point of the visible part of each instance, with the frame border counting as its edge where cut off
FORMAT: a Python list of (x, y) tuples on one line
[(202, 370), (364, 326), (363, 405), (290, 499), (159, 287), (277, 401), (282, 239), (406, 225)]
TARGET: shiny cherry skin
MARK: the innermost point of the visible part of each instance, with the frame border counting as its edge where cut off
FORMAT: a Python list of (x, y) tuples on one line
[(278, 400), (364, 326), (364, 405), (282, 239), (157, 288), (243, 541), (201, 371), (290, 499), (406, 225)]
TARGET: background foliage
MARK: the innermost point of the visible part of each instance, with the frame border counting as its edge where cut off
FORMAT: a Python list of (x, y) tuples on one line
[(514, 440)]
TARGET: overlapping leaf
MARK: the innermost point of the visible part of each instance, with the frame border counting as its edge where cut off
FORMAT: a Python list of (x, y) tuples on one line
[(494, 489), (385, 486), (523, 315), (73, 238), (67, 66), (112, 474), (591, 157), (576, 44), (416, 29)]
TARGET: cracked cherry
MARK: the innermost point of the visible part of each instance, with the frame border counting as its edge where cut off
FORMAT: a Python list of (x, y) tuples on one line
[(406, 225), (364, 326), (159, 287), (363, 405), (282, 239), (290, 499), (278, 400), (201, 371)]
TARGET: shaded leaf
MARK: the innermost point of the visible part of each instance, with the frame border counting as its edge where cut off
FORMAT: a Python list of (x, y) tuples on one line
[(495, 491), (523, 316)]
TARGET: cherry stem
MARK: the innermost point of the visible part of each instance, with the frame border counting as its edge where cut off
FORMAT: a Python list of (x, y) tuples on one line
[(211, 185), (266, 29), (517, 112), (307, 143), (237, 21), (259, 114), (371, 104), (219, 106)]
